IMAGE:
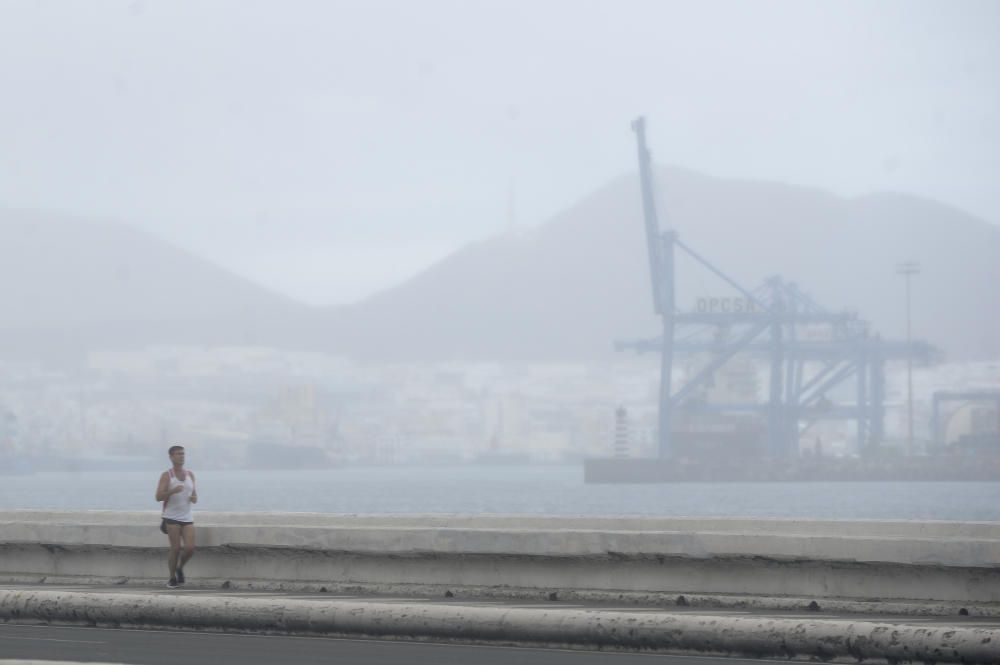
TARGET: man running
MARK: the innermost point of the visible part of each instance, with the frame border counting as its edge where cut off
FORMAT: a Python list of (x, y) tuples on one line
[(177, 492)]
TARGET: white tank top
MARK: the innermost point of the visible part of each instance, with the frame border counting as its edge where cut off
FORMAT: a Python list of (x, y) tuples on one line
[(178, 506)]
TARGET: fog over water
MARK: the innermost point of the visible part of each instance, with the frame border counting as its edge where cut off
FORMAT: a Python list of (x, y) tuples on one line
[(393, 256), (555, 489)]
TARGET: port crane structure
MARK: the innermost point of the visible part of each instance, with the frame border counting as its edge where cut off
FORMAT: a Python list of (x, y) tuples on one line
[(803, 369)]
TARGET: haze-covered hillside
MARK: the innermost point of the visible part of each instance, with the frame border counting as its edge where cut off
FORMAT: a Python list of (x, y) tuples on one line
[(567, 288), (69, 284), (563, 290)]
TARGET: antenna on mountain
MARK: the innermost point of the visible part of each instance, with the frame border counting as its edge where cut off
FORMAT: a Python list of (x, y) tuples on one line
[(511, 210), (512, 114)]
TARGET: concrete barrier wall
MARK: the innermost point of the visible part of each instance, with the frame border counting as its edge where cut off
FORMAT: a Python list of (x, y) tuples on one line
[(942, 561), (785, 638)]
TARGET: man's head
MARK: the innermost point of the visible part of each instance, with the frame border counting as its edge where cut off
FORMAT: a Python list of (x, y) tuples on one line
[(176, 454)]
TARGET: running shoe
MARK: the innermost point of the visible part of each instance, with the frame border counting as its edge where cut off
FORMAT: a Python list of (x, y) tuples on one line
[(180, 576), (172, 583)]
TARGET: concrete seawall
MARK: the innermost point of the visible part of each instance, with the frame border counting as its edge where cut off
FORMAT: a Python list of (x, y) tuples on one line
[(935, 567), (909, 561), (854, 641)]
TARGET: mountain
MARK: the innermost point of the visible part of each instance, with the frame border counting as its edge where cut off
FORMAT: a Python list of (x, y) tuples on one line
[(562, 290), (69, 284), (567, 288)]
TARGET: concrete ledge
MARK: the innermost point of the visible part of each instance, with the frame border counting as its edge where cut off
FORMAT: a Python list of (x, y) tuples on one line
[(798, 526), (619, 598), (941, 561), (259, 567), (944, 543), (757, 637)]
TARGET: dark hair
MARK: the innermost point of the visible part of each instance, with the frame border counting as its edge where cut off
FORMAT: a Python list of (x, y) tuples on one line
[(174, 449)]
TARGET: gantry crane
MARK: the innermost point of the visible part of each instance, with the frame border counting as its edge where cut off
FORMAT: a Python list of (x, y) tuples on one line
[(802, 371)]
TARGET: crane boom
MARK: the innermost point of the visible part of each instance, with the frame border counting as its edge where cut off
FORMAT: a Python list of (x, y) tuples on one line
[(653, 240)]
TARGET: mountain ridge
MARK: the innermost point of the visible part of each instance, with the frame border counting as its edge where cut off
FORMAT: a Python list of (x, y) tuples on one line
[(564, 289), (805, 234)]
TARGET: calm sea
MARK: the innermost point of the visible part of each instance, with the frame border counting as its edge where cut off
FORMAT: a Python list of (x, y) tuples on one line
[(557, 490)]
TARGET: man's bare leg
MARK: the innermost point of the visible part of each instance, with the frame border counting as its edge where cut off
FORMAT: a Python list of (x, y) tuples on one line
[(187, 535), (174, 534)]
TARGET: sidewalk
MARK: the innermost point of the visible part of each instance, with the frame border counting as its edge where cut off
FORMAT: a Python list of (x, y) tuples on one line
[(802, 633)]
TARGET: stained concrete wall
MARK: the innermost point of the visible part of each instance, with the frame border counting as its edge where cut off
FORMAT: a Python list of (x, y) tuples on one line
[(943, 561), (786, 638)]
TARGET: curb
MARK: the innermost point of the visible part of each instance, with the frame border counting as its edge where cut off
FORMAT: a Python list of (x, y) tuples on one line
[(662, 600), (593, 629)]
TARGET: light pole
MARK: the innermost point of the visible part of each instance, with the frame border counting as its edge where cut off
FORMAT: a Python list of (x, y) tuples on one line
[(908, 269)]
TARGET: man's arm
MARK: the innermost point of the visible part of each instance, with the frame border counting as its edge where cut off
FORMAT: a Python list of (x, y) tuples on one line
[(194, 489), (161, 488)]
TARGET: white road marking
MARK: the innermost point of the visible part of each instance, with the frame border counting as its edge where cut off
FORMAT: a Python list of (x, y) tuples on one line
[(50, 639)]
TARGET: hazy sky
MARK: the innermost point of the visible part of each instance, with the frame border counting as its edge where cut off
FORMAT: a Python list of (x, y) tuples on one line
[(331, 149)]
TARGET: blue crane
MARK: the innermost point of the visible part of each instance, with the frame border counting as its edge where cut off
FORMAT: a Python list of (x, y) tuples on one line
[(802, 371)]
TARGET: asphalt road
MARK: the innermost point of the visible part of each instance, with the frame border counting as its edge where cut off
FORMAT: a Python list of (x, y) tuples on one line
[(154, 647)]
